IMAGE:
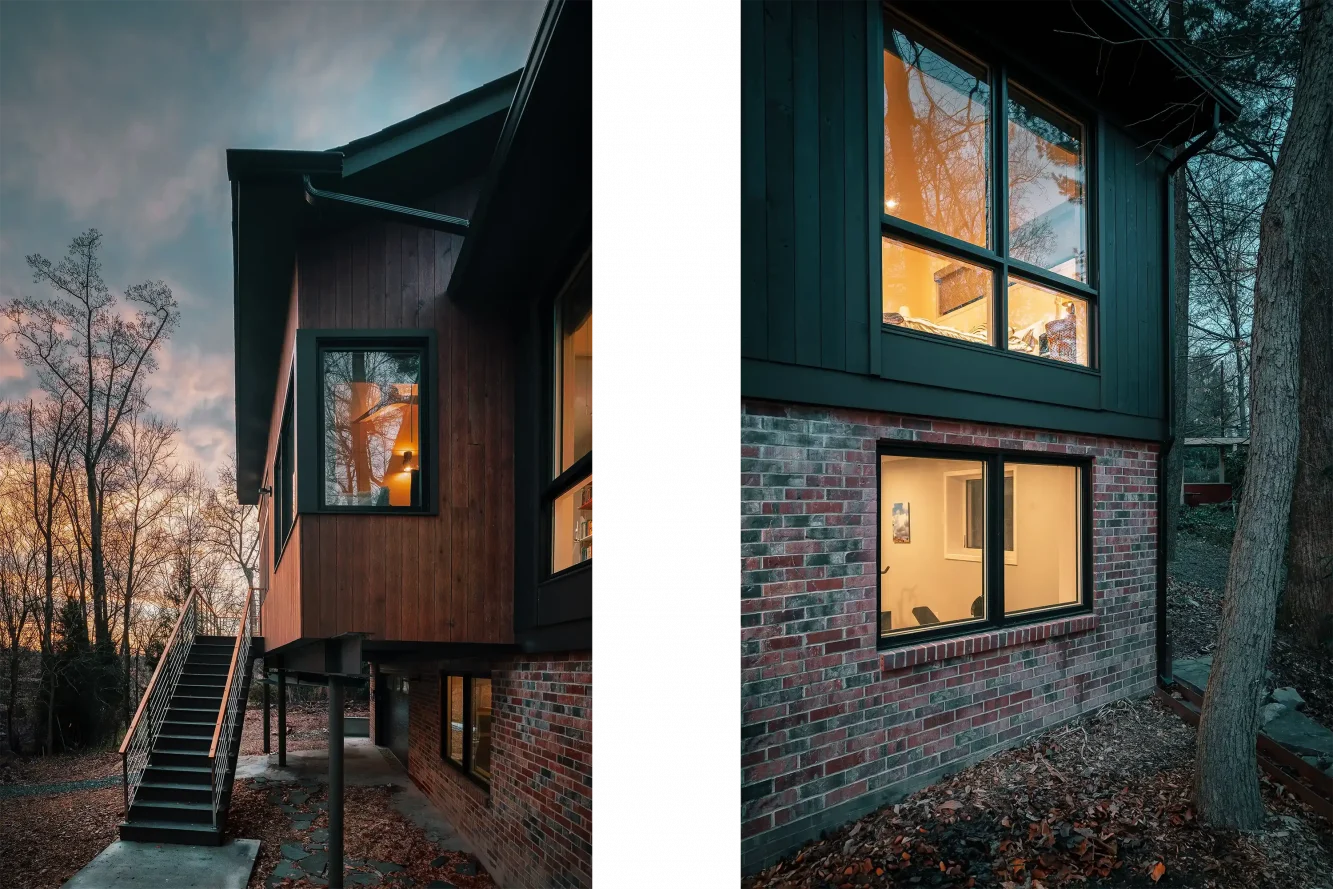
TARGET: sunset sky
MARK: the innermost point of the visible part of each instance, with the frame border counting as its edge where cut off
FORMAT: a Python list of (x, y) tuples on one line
[(117, 116)]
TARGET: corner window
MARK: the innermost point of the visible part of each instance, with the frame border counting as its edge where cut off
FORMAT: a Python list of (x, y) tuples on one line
[(570, 491), (284, 480), (998, 261), (959, 552), (465, 736)]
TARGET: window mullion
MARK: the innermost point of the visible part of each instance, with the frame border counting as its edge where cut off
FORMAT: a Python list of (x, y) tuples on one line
[(994, 537), (1000, 201), (467, 724)]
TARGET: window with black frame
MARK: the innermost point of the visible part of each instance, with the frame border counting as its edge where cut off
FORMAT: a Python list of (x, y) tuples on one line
[(950, 267), (570, 491), (284, 480), (372, 400), (952, 562), (465, 718)]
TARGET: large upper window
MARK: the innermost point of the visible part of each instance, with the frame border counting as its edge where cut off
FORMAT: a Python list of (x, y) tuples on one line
[(957, 551), (373, 449), (570, 490), (967, 253)]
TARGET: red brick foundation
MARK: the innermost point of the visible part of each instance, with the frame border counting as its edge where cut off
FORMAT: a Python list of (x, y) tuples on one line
[(533, 828), (831, 727)]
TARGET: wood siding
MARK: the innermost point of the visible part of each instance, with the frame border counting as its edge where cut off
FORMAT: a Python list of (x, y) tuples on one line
[(811, 177), (437, 578)]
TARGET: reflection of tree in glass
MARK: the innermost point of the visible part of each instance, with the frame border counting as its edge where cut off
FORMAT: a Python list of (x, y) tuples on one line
[(935, 126), (358, 438), (1045, 175)]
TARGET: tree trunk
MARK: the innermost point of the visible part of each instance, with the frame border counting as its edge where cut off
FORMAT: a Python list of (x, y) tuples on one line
[(1180, 310), (1307, 605), (1226, 777), (13, 737)]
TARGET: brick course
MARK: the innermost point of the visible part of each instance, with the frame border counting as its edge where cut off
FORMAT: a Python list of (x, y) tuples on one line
[(832, 727), (533, 829)]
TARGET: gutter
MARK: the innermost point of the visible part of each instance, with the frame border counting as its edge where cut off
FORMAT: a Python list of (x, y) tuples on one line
[(317, 197), (1164, 677)]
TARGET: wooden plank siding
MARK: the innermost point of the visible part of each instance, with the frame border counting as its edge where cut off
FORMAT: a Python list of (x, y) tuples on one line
[(812, 169), (441, 578)]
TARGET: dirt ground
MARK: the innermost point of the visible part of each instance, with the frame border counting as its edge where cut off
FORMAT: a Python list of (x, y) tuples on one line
[(1194, 611), (307, 726), (1102, 801)]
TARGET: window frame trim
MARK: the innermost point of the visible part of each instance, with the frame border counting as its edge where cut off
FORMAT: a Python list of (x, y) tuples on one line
[(311, 343), (1000, 69), (548, 581), (993, 556), (280, 534), (465, 769)]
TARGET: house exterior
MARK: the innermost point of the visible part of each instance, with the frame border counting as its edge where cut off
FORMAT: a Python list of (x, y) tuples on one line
[(413, 399), (950, 537)]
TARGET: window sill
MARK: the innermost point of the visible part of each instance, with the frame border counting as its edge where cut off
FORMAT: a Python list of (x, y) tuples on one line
[(989, 640)]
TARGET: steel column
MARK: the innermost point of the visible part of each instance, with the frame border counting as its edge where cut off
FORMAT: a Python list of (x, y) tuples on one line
[(282, 718), (335, 783), (268, 723)]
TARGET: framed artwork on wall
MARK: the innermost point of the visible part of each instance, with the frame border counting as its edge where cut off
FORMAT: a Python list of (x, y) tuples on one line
[(902, 523)]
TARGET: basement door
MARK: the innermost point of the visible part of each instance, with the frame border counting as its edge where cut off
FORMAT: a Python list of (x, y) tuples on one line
[(395, 723)]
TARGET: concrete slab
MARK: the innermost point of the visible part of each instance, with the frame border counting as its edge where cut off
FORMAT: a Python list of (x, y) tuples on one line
[(363, 764), (130, 865)]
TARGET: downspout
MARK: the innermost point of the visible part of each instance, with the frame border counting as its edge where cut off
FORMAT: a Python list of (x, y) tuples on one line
[(1164, 677), (392, 212)]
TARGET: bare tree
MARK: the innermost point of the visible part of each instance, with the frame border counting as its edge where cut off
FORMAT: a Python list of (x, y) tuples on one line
[(84, 347), (231, 527), (1293, 258), (145, 489)]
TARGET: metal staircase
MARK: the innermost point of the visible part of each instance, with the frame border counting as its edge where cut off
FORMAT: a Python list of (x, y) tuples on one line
[(179, 754)]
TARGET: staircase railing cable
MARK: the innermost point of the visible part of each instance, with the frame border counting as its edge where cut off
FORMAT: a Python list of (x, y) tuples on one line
[(233, 704)]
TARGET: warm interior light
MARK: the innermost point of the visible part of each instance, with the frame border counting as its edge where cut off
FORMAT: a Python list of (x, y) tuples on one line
[(407, 459), (891, 204)]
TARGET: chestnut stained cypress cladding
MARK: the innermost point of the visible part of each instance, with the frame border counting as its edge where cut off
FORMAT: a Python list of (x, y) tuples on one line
[(811, 193), (433, 578)]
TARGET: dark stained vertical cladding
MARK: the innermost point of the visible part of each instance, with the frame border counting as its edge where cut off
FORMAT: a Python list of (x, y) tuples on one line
[(779, 139), (447, 577), (754, 225), (856, 122), (805, 163), (832, 163)]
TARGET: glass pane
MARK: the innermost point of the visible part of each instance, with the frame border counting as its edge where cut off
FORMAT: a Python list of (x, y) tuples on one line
[(936, 152), (454, 726), (930, 574), (481, 728), (1047, 323), (573, 372), (1044, 571), (1048, 216), (372, 440), (571, 527), (931, 292)]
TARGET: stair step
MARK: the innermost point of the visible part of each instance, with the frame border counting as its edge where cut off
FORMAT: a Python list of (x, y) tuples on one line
[(211, 691), (175, 756), (194, 776), (186, 743), (175, 832), (196, 702), (167, 810), (153, 792)]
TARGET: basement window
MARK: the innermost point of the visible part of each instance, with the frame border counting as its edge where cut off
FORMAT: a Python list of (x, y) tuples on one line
[(465, 718), (950, 539)]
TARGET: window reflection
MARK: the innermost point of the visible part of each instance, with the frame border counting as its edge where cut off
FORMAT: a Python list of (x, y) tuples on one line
[(372, 441), (1047, 323), (936, 112), (573, 372), (481, 728), (1048, 216), (935, 293)]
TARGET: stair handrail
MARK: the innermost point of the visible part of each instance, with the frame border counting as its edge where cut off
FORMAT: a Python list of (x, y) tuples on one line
[(219, 752), (156, 701)]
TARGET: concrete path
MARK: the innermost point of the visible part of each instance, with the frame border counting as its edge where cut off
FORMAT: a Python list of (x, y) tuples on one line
[(129, 865), (363, 764)]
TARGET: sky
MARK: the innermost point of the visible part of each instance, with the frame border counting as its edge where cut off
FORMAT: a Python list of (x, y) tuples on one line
[(116, 116)]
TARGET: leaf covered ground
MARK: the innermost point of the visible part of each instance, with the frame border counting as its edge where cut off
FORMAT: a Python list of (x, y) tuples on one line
[(1102, 801)]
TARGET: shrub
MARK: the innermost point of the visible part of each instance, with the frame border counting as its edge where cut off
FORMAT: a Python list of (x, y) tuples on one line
[(1215, 523)]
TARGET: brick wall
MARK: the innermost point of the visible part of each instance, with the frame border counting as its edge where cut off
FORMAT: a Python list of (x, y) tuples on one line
[(533, 829), (831, 727)]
